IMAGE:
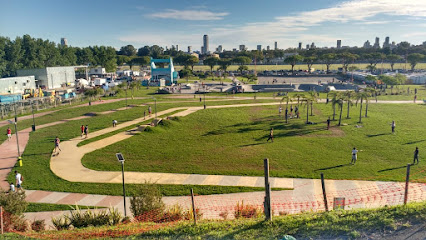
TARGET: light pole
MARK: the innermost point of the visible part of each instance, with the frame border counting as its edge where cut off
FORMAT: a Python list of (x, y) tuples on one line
[(17, 140), (32, 109), (155, 107), (120, 158), (126, 98)]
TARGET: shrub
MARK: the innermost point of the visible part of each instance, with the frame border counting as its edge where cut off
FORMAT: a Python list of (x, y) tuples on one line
[(146, 203), (172, 214), (224, 215), (38, 225), (189, 215), (147, 129), (12, 222), (61, 222), (80, 219), (246, 211), (14, 202)]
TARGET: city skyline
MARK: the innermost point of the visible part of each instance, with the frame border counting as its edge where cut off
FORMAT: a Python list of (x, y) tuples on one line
[(168, 23)]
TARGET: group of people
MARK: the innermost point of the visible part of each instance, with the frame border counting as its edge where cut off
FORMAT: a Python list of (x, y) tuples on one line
[(18, 183), (84, 130)]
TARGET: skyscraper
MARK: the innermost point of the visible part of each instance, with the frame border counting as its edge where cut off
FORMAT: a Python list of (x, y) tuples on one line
[(276, 46), (377, 43), (205, 44), (313, 45), (268, 48), (242, 47), (219, 48), (386, 44), (64, 42), (189, 49), (339, 43), (300, 45), (259, 47)]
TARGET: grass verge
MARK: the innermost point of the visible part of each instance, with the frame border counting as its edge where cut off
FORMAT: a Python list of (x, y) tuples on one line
[(44, 207)]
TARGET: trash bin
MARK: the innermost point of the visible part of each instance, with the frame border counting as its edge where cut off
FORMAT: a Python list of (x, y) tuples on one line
[(90, 103), (33, 127)]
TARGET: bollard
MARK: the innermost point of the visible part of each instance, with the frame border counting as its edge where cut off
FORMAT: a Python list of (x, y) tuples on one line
[(20, 161)]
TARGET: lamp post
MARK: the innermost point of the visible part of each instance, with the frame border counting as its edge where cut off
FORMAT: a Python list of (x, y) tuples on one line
[(32, 109), (120, 158), (17, 140), (126, 98), (155, 107)]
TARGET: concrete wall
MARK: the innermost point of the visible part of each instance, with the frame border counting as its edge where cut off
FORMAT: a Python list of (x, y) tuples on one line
[(16, 84), (39, 74)]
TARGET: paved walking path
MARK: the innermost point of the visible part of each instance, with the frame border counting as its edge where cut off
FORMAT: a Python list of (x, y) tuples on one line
[(306, 196)]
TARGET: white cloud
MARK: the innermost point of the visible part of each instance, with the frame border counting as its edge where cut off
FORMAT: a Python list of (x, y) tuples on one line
[(288, 30), (191, 15)]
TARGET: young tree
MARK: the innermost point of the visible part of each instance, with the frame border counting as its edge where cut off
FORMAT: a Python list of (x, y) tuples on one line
[(338, 100), (348, 96), (310, 61), (361, 96), (393, 58), (334, 97), (287, 98), (223, 65), (347, 58)]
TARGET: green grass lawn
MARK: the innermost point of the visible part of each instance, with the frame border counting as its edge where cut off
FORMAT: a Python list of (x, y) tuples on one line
[(36, 156), (402, 94), (233, 142)]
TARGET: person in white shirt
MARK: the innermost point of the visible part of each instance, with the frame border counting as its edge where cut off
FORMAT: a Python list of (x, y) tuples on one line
[(18, 178), (354, 155), (12, 187)]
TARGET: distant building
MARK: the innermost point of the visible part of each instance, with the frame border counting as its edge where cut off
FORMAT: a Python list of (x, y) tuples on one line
[(177, 47), (242, 47), (168, 73), (205, 44), (219, 49), (268, 48), (339, 44), (259, 47), (64, 42), (276, 45), (50, 77), (307, 46), (189, 49), (300, 46), (386, 44), (313, 45), (202, 50), (97, 71), (16, 84), (377, 43), (367, 44)]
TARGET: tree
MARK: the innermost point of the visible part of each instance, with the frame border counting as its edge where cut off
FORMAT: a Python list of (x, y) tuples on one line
[(347, 58), (373, 59), (122, 59), (144, 51), (328, 59), (338, 100), (185, 73), (192, 60), (347, 96), (298, 96), (312, 97), (361, 96), (334, 97), (223, 65), (242, 68), (310, 61), (128, 50), (293, 60), (415, 58), (287, 99), (211, 62), (393, 58), (371, 78), (242, 61)]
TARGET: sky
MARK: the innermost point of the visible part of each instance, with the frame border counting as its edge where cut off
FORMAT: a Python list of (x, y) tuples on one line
[(229, 23)]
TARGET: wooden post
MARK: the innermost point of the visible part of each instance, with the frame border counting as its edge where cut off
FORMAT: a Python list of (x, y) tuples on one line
[(1, 219), (193, 207), (407, 180), (324, 193), (267, 204)]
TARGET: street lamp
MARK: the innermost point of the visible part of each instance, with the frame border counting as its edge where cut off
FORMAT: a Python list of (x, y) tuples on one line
[(17, 140), (120, 158), (155, 107)]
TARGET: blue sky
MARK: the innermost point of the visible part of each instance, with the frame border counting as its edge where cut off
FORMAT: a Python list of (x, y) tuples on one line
[(227, 22)]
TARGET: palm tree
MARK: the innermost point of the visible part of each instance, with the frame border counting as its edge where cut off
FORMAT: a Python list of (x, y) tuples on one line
[(361, 96), (338, 100), (370, 92), (287, 99), (348, 95), (334, 96), (299, 96), (313, 97)]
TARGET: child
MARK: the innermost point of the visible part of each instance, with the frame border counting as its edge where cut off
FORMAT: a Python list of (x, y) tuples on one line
[(12, 188)]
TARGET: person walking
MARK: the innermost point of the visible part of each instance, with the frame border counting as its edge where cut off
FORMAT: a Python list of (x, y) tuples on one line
[(328, 123), (271, 135), (416, 156), (354, 155), (82, 130), (149, 110), (114, 123), (86, 130), (18, 180), (9, 133), (57, 141), (393, 125)]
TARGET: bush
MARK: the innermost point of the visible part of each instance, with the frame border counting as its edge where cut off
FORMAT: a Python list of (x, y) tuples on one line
[(38, 225), (80, 219), (246, 211), (146, 203), (14, 202), (148, 129)]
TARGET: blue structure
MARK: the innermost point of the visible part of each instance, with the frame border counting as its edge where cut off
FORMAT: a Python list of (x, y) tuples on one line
[(167, 72)]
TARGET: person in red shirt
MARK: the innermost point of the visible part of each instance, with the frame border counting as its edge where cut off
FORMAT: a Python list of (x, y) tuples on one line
[(82, 130), (9, 133)]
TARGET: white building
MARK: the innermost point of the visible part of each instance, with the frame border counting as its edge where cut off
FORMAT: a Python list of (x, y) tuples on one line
[(97, 71), (50, 77), (16, 84)]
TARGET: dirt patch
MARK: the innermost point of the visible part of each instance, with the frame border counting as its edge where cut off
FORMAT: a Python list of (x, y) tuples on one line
[(335, 132)]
